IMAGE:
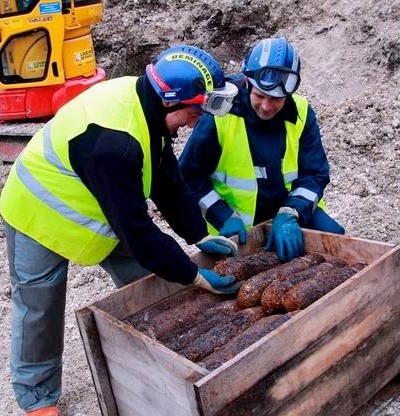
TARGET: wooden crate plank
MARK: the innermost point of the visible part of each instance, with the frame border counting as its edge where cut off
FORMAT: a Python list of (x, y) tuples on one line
[(330, 349), (255, 238), (385, 402), (154, 367), (136, 296), (133, 399), (337, 392), (353, 380), (234, 378), (344, 246), (91, 343)]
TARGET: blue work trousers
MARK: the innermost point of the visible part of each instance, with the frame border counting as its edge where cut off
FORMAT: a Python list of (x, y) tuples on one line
[(38, 280)]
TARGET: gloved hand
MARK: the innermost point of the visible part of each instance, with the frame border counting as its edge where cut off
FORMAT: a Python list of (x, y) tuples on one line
[(232, 226), (285, 235), (215, 283), (217, 245)]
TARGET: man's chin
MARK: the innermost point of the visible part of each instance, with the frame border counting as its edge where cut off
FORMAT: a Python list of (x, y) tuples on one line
[(266, 116)]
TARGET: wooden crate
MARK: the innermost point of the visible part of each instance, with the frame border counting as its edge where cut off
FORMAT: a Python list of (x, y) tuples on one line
[(327, 360)]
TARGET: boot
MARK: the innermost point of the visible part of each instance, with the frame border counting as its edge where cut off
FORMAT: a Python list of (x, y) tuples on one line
[(45, 411)]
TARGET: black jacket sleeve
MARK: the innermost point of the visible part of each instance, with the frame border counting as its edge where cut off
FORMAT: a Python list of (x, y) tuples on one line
[(110, 165), (175, 200)]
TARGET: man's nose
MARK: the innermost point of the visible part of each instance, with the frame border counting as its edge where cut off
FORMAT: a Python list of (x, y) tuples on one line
[(267, 104)]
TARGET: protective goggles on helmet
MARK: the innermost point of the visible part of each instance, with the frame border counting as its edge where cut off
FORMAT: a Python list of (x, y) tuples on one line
[(217, 102), (272, 77)]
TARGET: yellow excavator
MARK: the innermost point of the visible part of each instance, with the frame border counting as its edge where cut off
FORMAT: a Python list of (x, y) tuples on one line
[(46, 55)]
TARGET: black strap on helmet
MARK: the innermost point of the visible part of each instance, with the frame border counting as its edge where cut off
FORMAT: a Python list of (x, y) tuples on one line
[(176, 107)]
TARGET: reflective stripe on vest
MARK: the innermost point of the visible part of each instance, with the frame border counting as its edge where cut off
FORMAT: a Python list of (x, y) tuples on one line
[(235, 178), (290, 160), (210, 199), (290, 166), (55, 203), (45, 199), (51, 155)]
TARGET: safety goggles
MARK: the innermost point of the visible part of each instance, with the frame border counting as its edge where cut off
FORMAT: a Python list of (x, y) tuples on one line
[(270, 77), (217, 102)]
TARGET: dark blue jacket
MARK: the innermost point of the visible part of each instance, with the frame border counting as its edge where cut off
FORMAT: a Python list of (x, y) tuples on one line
[(109, 162), (267, 145)]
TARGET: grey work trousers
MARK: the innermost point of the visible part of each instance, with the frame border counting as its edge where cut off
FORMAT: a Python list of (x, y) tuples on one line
[(39, 281)]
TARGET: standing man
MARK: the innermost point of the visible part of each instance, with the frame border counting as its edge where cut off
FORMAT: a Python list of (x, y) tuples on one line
[(78, 193), (263, 160)]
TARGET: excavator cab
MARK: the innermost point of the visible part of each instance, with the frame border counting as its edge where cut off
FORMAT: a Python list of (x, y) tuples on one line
[(47, 55)]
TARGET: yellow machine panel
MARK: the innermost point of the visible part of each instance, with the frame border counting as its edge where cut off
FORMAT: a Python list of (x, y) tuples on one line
[(45, 43), (78, 57)]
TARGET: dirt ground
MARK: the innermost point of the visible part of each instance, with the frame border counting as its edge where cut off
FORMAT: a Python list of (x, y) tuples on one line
[(350, 51)]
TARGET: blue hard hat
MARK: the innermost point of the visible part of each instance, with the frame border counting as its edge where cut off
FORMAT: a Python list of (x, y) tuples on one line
[(273, 67), (188, 75)]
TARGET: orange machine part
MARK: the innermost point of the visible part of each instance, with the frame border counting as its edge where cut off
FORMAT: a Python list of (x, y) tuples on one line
[(43, 102)]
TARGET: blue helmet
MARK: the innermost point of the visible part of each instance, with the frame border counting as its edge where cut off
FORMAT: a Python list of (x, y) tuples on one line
[(273, 67), (190, 76)]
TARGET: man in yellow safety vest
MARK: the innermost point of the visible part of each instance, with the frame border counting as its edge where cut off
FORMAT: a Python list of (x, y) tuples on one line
[(263, 160)]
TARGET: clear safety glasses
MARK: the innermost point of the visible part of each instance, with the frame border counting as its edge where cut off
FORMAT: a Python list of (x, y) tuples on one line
[(217, 102), (269, 77)]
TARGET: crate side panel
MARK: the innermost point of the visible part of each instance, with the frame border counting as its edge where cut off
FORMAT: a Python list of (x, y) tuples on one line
[(344, 246), (353, 380), (137, 295), (143, 398), (95, 358), (335, 245), (377, 283), (146, 368), (339, 391)]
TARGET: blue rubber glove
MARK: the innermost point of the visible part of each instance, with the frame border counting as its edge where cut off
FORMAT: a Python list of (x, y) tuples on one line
[(215, 283), (232, 226), (285, 235), (217, 245)]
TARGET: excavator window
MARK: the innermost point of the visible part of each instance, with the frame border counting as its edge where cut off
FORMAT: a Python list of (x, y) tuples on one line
[(79, 3), (13, 7), (25, 57)]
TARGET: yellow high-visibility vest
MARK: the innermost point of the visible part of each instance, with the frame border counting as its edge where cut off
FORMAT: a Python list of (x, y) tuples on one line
[(45, 199), (235, 179)]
